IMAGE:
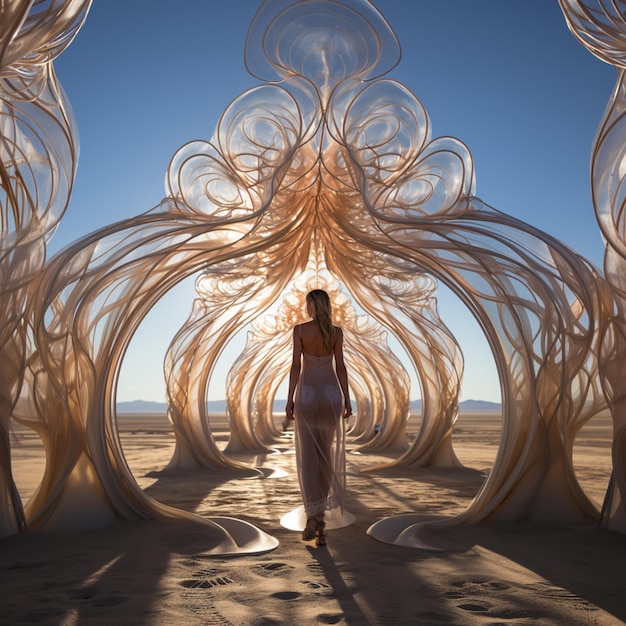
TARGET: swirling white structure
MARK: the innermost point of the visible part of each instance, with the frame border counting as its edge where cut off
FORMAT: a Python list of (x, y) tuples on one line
[(601, 27), (327, 171)]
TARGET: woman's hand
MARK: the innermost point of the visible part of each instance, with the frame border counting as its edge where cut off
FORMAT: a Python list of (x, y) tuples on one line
[(289, 410), (347, 412)]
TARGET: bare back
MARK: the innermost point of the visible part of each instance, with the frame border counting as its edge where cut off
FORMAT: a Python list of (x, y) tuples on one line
[(312, 342)]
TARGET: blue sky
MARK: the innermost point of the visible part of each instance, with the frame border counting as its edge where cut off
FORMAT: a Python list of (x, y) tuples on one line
[(507, 78)]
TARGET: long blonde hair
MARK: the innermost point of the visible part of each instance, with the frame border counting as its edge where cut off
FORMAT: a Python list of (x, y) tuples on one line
[(323, 315)]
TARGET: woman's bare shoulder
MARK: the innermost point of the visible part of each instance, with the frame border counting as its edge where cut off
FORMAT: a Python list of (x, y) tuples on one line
[(302, 326), (338, 340)]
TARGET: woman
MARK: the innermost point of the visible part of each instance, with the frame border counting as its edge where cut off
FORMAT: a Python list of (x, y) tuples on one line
[(320, 393)]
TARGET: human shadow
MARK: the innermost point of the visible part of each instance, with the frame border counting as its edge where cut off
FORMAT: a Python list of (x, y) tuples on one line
[(383, 585)]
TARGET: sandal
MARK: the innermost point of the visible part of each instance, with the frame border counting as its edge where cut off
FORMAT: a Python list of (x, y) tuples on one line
[(309, 530), (321, 533)]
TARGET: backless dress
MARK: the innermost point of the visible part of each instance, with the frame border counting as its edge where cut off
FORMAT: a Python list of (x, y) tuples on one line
[(319, 436)]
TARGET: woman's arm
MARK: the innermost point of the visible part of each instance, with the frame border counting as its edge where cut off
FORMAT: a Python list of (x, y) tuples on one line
[(342, 373), (294, 373)]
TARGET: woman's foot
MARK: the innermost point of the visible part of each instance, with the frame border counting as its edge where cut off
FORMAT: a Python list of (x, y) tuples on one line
[(309, 530), (320, 528)]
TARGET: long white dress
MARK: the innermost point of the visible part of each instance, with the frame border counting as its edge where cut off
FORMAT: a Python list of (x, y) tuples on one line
[(319, 430)]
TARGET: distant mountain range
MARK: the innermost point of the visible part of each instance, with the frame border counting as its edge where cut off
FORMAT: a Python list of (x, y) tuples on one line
[(147, 406), (219, 406)]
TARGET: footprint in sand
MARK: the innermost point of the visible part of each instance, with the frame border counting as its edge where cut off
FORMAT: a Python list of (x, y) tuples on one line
[(495, 585), (314, 585), (475, 587), (330, 618), (476, 606), (272, 569), (517, 614), (203, 583), (315, 567), (286, 595), (203, 605), (206, 573)]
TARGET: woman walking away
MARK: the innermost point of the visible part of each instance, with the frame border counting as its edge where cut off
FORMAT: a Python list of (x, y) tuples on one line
[(321, 397)]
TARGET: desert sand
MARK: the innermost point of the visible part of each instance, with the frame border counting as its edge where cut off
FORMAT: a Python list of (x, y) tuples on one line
[(155, 573)]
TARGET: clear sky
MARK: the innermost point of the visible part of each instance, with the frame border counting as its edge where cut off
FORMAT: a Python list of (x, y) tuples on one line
[(506, 78)]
